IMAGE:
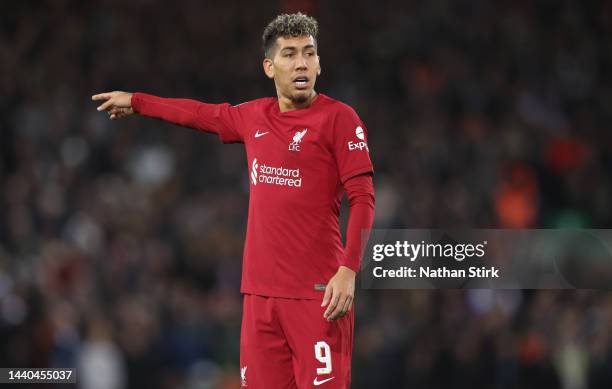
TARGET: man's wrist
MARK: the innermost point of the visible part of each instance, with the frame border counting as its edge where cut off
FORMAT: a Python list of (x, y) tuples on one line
[(347, 270)]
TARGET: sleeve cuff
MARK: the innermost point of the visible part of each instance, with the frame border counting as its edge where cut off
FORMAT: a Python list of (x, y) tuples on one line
[(356, 172), (136, 101)]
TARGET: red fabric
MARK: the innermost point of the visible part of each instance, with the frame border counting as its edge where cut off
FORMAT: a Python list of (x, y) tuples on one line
[(360, 193), (284, 341), (298, 162), (219, 119)]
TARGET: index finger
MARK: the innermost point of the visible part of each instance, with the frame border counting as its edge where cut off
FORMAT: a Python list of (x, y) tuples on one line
[(101, 96), (105, 106)]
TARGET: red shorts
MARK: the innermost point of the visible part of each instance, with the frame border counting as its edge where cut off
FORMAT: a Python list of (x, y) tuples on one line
[(286, 343)]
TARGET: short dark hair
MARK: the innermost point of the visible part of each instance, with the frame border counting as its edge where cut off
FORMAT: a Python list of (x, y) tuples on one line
[(288, 25)]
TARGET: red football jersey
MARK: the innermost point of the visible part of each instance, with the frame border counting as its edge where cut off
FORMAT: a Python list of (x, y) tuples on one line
[(297, 161)]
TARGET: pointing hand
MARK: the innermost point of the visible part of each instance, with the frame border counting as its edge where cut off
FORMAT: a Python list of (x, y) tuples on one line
[(116, 104)]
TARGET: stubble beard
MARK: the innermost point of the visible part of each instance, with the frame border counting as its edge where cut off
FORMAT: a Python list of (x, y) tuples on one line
[(301, 97)]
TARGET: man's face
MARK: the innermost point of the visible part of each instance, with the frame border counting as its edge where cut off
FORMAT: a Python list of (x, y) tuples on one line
[(294, 66)]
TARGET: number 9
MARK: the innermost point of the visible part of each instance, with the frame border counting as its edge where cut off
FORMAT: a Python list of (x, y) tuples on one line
[(323, 355)]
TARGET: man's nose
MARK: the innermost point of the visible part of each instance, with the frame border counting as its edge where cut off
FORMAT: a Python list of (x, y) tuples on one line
[(301, 62)]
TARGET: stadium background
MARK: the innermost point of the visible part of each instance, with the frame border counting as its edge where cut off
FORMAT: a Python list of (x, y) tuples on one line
[(120, 242)]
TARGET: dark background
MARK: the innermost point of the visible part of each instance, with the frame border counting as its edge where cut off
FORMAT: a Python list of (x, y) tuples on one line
[(121, 242)]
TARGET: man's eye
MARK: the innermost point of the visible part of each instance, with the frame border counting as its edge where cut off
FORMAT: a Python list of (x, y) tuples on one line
[(309, 54), (287, 55)]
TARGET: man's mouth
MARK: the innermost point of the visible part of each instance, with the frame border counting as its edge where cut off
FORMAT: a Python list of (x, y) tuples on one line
[(301, 82)]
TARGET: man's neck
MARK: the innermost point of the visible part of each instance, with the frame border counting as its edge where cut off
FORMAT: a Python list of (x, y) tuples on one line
[(285, 104)]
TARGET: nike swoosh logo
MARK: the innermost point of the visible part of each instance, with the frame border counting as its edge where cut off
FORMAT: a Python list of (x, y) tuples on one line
[(316, 381), (258, 134)]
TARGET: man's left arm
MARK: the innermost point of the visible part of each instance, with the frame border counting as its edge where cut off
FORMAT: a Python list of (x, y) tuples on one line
[(340, 290)]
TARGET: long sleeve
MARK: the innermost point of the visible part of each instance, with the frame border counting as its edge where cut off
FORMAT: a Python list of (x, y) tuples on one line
[(360, 193), (221, 119)]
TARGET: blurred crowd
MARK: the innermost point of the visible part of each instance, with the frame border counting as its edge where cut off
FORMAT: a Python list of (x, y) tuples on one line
[(121, 242)]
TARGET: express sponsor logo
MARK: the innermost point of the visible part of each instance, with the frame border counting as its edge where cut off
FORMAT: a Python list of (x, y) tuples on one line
[(358, 145), (359, 133), (275, 175)]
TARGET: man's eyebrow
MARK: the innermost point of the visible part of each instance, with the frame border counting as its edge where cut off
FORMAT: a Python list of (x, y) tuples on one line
[(292, 48)]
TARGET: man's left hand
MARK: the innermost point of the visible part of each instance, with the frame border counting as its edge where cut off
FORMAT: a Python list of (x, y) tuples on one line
[(339, 294)]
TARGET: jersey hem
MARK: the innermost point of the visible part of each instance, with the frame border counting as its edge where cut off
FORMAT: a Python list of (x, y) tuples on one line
[(314, 295)]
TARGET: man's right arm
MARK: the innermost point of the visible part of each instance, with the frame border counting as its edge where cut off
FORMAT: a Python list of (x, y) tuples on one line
[(221, 119)]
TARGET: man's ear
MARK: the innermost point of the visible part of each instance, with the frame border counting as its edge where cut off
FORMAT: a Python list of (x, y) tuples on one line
[(319, 62), (268, 67)]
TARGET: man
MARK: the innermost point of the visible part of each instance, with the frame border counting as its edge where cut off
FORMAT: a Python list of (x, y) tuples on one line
[(303, 150)]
